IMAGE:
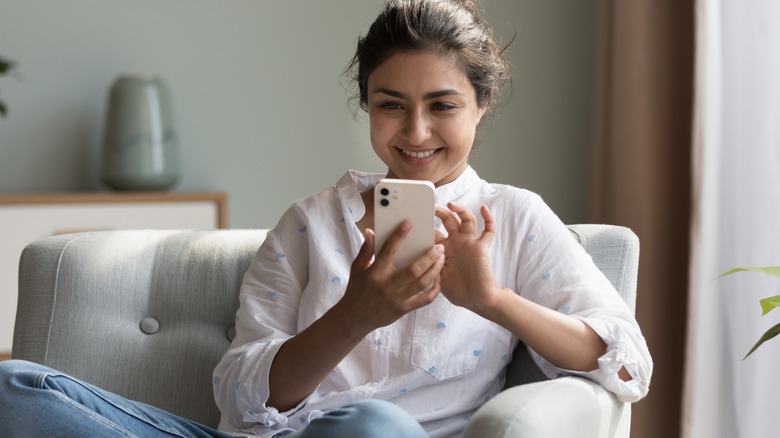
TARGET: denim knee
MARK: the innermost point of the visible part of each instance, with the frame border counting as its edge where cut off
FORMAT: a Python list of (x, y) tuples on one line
[(379, 409), (369, 418), (10, 375), (15, 368)]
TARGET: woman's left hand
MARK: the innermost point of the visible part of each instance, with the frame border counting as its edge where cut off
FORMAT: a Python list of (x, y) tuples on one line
[(467, 278)]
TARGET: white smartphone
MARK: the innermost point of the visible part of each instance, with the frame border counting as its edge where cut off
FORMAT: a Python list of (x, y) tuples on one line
[(396, 200)]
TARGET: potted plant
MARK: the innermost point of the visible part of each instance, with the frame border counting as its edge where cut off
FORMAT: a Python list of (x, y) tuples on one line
[(767, 304)]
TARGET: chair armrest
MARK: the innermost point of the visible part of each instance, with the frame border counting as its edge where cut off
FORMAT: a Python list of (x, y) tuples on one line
[(559, 408)]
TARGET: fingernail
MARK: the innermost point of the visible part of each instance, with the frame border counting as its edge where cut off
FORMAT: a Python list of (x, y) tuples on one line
[(438, 248)]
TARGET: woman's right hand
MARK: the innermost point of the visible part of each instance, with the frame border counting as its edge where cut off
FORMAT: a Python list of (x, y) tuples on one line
[(378, 294)]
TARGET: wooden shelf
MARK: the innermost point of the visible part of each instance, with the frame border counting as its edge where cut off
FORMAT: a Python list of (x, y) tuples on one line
[(118, 197)]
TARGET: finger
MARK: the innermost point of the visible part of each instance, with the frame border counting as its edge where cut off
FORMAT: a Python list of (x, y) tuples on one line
[(427, 286), (423, 265), (448, 219), (422, 273), (468, 222), (490, 224), (422, 299), (363, 259), (388, 250)]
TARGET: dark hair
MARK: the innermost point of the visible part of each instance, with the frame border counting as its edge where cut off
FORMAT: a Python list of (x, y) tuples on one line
[(448, 27)]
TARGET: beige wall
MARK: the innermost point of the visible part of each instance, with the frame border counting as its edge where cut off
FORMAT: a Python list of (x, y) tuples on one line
[(260, 111)]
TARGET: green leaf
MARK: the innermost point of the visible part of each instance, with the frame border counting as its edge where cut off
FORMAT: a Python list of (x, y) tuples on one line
[(769, 270), (5, 66), (771, 333), (768, 304)]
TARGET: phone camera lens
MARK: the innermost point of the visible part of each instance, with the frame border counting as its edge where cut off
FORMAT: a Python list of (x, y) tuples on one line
[(384, 192), (384, 202)]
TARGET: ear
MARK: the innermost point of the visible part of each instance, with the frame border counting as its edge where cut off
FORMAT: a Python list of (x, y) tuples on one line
[(481, 112), (483, 109)]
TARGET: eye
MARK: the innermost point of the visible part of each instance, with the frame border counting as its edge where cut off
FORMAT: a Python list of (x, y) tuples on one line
[(443, 106), (390, 106)]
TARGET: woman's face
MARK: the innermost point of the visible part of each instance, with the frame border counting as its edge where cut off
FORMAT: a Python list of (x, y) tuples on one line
[(424, 115)]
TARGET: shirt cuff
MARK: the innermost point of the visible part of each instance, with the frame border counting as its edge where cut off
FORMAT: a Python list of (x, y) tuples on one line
[(627, 349)]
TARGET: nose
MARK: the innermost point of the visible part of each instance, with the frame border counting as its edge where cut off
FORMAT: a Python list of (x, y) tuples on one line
[(417, 127)]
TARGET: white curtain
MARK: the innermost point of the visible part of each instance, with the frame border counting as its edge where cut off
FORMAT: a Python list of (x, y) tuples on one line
[(736, 222)]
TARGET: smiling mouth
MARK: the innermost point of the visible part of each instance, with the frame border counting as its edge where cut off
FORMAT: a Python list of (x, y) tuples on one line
[(419, 154)]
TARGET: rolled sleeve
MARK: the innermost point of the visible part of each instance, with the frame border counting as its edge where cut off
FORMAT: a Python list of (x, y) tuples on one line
[(626, 348), (241, 386)]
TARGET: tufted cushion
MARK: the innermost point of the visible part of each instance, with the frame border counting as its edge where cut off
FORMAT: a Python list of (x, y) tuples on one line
[(145, 314)]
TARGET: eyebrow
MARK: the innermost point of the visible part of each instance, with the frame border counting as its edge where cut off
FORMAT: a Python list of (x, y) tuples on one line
[(426, 96)]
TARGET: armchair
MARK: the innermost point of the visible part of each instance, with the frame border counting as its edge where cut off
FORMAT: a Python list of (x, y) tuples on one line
[(147, 314)]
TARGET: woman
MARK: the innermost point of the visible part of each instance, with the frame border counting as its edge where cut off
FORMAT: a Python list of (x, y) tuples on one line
[(334, 341), (322, 324)]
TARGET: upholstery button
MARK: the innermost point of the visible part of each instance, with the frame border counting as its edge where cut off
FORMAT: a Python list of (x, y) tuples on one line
[(150, 326), (231, 333)]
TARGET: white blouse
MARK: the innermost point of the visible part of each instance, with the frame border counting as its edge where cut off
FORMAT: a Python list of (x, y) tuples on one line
[(441, 362)]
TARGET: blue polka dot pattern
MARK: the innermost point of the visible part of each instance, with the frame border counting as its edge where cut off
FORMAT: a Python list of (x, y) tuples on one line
[(531, 237), (302, 229), (442, 325), (547, 276), (340, 251), (279, 255), (504, 357), (272, 293), (336, 280), (566, 309), (215, 380), (432, 369)]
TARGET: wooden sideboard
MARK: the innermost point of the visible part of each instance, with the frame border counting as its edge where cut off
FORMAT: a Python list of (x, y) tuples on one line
[(24, 219)]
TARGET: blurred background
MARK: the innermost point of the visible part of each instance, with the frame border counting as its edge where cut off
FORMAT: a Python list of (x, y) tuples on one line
[(655, 115), (260, 104)]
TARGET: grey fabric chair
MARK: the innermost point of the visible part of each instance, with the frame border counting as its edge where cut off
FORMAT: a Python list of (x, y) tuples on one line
[(147, 314)]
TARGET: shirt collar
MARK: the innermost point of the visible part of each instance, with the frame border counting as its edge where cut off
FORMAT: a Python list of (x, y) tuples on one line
[(454, 190), (353, 182), (349, 187)]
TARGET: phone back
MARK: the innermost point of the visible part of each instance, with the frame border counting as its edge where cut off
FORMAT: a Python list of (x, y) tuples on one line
[(396, 200)]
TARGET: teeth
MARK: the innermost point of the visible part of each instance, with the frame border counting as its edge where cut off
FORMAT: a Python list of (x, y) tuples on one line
[(422, 154)]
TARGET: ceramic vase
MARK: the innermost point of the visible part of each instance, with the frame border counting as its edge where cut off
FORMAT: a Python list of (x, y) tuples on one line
[(140, 148)]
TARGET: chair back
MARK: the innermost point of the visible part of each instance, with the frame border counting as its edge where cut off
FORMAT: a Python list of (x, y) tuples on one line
[(147, 314)]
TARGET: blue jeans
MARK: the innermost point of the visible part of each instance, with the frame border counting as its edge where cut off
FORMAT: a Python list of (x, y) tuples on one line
[(39, 401)]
